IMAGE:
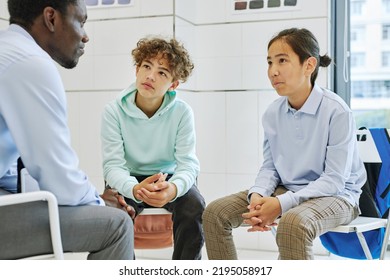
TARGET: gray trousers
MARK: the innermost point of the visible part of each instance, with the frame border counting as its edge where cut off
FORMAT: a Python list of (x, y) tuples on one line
[(105, 232)]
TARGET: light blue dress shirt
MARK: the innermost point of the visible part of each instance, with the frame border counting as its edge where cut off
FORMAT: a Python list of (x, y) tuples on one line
[(33, 122), (311, 151)]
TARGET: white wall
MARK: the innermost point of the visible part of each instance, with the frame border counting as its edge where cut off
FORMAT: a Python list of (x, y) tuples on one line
[(3, 14)]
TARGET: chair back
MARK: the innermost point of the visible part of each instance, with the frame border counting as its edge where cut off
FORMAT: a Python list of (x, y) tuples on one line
[(374, 149)]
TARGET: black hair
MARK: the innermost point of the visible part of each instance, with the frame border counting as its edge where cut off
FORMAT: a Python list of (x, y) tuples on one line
[(305, 45), (24, 12)]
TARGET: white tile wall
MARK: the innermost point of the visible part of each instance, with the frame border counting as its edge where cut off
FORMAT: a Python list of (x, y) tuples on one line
[(242, 132), (3, 24), (202, 11), (4, 16), (3, 10), (120, 36), (85, 109), (238, 56), (82, 77), (218, 73), (212, 185), (113, 72), (184, 31), (254, 72), (219, 40), (107, 63), (156, 7), (210, 123), (237, 182)]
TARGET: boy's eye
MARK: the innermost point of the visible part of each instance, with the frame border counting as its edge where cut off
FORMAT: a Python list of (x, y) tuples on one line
[(163, 74), (282, 60)]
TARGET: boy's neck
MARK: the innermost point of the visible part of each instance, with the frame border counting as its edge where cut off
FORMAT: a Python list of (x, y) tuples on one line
[(148, 106)]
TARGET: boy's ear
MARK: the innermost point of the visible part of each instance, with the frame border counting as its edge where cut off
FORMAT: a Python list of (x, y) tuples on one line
[(311, 65), (174, 85)]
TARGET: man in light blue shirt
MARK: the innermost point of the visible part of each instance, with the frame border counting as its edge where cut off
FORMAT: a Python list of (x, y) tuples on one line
[(33, 126)]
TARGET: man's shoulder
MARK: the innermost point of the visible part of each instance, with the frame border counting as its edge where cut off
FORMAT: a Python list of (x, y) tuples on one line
[(16, 48)]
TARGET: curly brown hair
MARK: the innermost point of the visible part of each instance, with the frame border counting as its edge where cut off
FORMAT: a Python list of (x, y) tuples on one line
[(179, 61)]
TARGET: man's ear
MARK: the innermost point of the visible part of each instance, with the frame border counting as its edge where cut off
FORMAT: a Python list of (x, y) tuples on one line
[(311, 65), (174, 85), (49, 18)]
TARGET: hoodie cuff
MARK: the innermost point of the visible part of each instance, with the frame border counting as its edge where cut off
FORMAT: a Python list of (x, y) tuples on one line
[(128, 192)]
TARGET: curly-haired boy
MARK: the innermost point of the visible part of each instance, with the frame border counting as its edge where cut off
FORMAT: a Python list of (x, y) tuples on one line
[(148, 140)]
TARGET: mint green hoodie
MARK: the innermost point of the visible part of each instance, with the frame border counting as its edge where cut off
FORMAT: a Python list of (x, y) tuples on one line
[(134, 144)]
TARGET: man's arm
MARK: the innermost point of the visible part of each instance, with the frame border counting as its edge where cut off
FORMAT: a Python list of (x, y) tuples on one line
[(37, 118)]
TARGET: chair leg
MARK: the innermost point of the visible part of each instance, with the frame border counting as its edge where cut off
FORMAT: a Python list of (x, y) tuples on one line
[(385, 240), (273, 230), (364, 245)]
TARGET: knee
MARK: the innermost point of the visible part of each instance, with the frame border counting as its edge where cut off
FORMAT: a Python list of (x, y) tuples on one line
[(190, 207), (295, 224), (197, 206), (212, 209), (214, 214), (123, 225)]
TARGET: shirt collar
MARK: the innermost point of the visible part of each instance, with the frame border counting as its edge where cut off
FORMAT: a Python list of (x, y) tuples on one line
[(18, 29), (312, 103)]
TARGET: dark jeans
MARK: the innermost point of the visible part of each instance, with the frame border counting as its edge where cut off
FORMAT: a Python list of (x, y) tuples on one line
[(187, 213)]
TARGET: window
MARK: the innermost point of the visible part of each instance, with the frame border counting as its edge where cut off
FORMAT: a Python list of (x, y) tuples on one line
[(386, 59), (363, 78), (370, 89), (386, 6), (386, 31), (358, 33), (358, 60), (370, 67), (357, 7)]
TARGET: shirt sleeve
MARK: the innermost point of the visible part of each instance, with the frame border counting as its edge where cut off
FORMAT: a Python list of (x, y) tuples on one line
[(267, 178), (37, 118)]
